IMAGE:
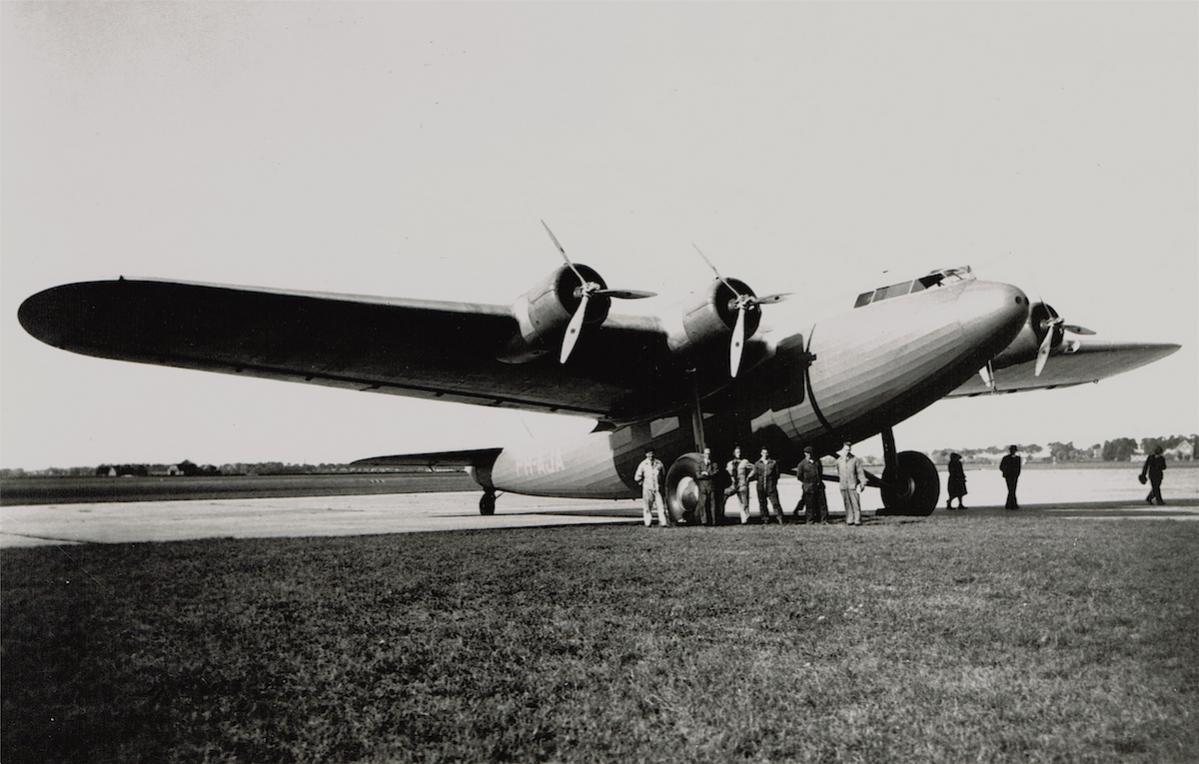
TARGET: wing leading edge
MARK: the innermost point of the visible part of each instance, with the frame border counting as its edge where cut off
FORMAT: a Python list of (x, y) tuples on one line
[(1075, 363), (429, 349)]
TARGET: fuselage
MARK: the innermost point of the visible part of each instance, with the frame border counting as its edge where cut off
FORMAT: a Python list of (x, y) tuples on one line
[(847, 377)]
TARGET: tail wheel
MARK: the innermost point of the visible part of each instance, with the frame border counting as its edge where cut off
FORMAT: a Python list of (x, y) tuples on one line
[(487, 503), (682, 491), (913, 487)]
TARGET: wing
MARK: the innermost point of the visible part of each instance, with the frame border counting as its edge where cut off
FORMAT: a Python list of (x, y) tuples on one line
[(440, 350), (471, 457), (1074, 363)]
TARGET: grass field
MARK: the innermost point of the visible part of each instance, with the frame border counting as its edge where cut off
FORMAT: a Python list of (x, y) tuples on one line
[(975, 637)]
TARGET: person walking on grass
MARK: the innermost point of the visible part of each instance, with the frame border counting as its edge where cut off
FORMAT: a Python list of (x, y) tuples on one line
[(1155, 465), (852, 476), (957, 481), (650, 474), (1009, 467)]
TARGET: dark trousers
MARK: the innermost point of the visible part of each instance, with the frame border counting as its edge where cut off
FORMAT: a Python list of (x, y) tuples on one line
[(707, 504), (815, 507), (773, 496), (1155, 491), (1011, 493)]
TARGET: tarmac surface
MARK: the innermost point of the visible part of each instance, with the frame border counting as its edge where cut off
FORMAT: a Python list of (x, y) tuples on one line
[(110, 523)]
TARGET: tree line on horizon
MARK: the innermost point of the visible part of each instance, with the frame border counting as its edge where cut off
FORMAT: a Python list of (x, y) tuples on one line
[(1114, 450)]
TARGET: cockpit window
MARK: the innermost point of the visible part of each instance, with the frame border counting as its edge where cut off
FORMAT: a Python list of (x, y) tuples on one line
[(935, 278)]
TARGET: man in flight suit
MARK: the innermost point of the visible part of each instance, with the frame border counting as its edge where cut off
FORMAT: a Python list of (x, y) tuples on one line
[(1009, 467), (811, 475), (852, 476), (705, 481), (650, 474), (742, 472), (767, 470)]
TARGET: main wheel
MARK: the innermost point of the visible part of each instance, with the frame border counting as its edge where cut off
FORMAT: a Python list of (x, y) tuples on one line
[(914, 487), (682, 491), (487, 503)]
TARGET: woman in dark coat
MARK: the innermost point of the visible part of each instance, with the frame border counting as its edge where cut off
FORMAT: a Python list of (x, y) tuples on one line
[(957, 481)]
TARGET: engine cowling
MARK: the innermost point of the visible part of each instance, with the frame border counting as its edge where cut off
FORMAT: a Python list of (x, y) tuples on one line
[(1024, 347), (711, 319), (544, 311)]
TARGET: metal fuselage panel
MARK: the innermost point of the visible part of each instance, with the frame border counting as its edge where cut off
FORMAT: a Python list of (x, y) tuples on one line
[(873, 367)]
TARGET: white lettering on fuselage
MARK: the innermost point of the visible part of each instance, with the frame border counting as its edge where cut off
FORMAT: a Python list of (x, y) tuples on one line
[(541, 465)]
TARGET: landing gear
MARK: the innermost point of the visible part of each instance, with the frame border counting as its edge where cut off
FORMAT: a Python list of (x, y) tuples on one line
[(910, 483), (682, 490), (487, 503)]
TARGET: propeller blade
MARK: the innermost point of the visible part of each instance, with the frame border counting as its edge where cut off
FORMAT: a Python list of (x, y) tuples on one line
[(713, 267), (772, 298), (988, 376), (1043, 354), (572, 329), (1076, 329), (624, 294), (738, 343), (558, 244)]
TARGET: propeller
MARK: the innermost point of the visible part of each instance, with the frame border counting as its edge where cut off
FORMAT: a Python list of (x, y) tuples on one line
[(1051, 325), (741, 303), (585, 291), (988, 376)]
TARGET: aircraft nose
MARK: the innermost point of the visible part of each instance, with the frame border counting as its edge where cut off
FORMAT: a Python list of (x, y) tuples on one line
[(991, 313)]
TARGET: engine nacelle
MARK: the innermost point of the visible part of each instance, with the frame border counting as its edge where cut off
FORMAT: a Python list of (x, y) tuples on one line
[(712, 318), (1024, 347), (544, 311)]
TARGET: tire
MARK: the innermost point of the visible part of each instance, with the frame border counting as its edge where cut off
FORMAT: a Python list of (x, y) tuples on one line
[(487, 504), (682, 492), (913, 488)]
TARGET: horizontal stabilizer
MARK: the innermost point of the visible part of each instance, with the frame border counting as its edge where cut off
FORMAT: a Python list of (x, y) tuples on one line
[(470, 457)]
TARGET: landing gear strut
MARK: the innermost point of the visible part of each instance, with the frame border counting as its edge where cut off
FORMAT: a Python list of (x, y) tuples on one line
[(487, 503), (910, 483)]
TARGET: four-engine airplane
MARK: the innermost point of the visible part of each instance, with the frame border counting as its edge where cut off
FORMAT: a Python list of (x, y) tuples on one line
[(714, 372)]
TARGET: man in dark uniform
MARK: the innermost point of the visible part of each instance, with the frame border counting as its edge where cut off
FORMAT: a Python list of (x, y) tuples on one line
[(1155, 465), (1009, 467), (705, 481), (768, 487), (811, 475)]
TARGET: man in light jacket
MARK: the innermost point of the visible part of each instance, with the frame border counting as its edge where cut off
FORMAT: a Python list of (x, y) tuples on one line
[(767, 470), (650, 474), (852, 476)]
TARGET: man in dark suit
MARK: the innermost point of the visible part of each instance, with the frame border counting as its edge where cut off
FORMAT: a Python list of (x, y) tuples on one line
[(767, 470), (1009, 467), (811, 475), (706, 482), (1155, 465)]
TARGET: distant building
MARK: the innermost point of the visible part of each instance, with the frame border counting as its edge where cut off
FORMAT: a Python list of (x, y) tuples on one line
[(174, 470), (1183, 452)]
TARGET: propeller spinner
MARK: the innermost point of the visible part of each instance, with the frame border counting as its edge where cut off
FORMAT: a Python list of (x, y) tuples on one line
[(585, 291), (742, 303)]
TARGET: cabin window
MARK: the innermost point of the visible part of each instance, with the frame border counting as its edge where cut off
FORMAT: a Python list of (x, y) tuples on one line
[(863, 299)]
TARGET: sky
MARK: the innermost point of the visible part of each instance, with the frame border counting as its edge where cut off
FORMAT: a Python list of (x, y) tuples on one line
[(410, 149)]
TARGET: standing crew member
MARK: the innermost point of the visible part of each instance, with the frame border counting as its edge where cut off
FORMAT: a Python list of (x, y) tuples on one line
[(957, 481), (852, 475), (767, 470), (705, 481), (811, 475), (650, 474), (1009, 466), (1155, 465), (742, 472)]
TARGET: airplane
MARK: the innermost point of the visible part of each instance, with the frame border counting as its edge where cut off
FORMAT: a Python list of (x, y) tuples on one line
[(715, 371)]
